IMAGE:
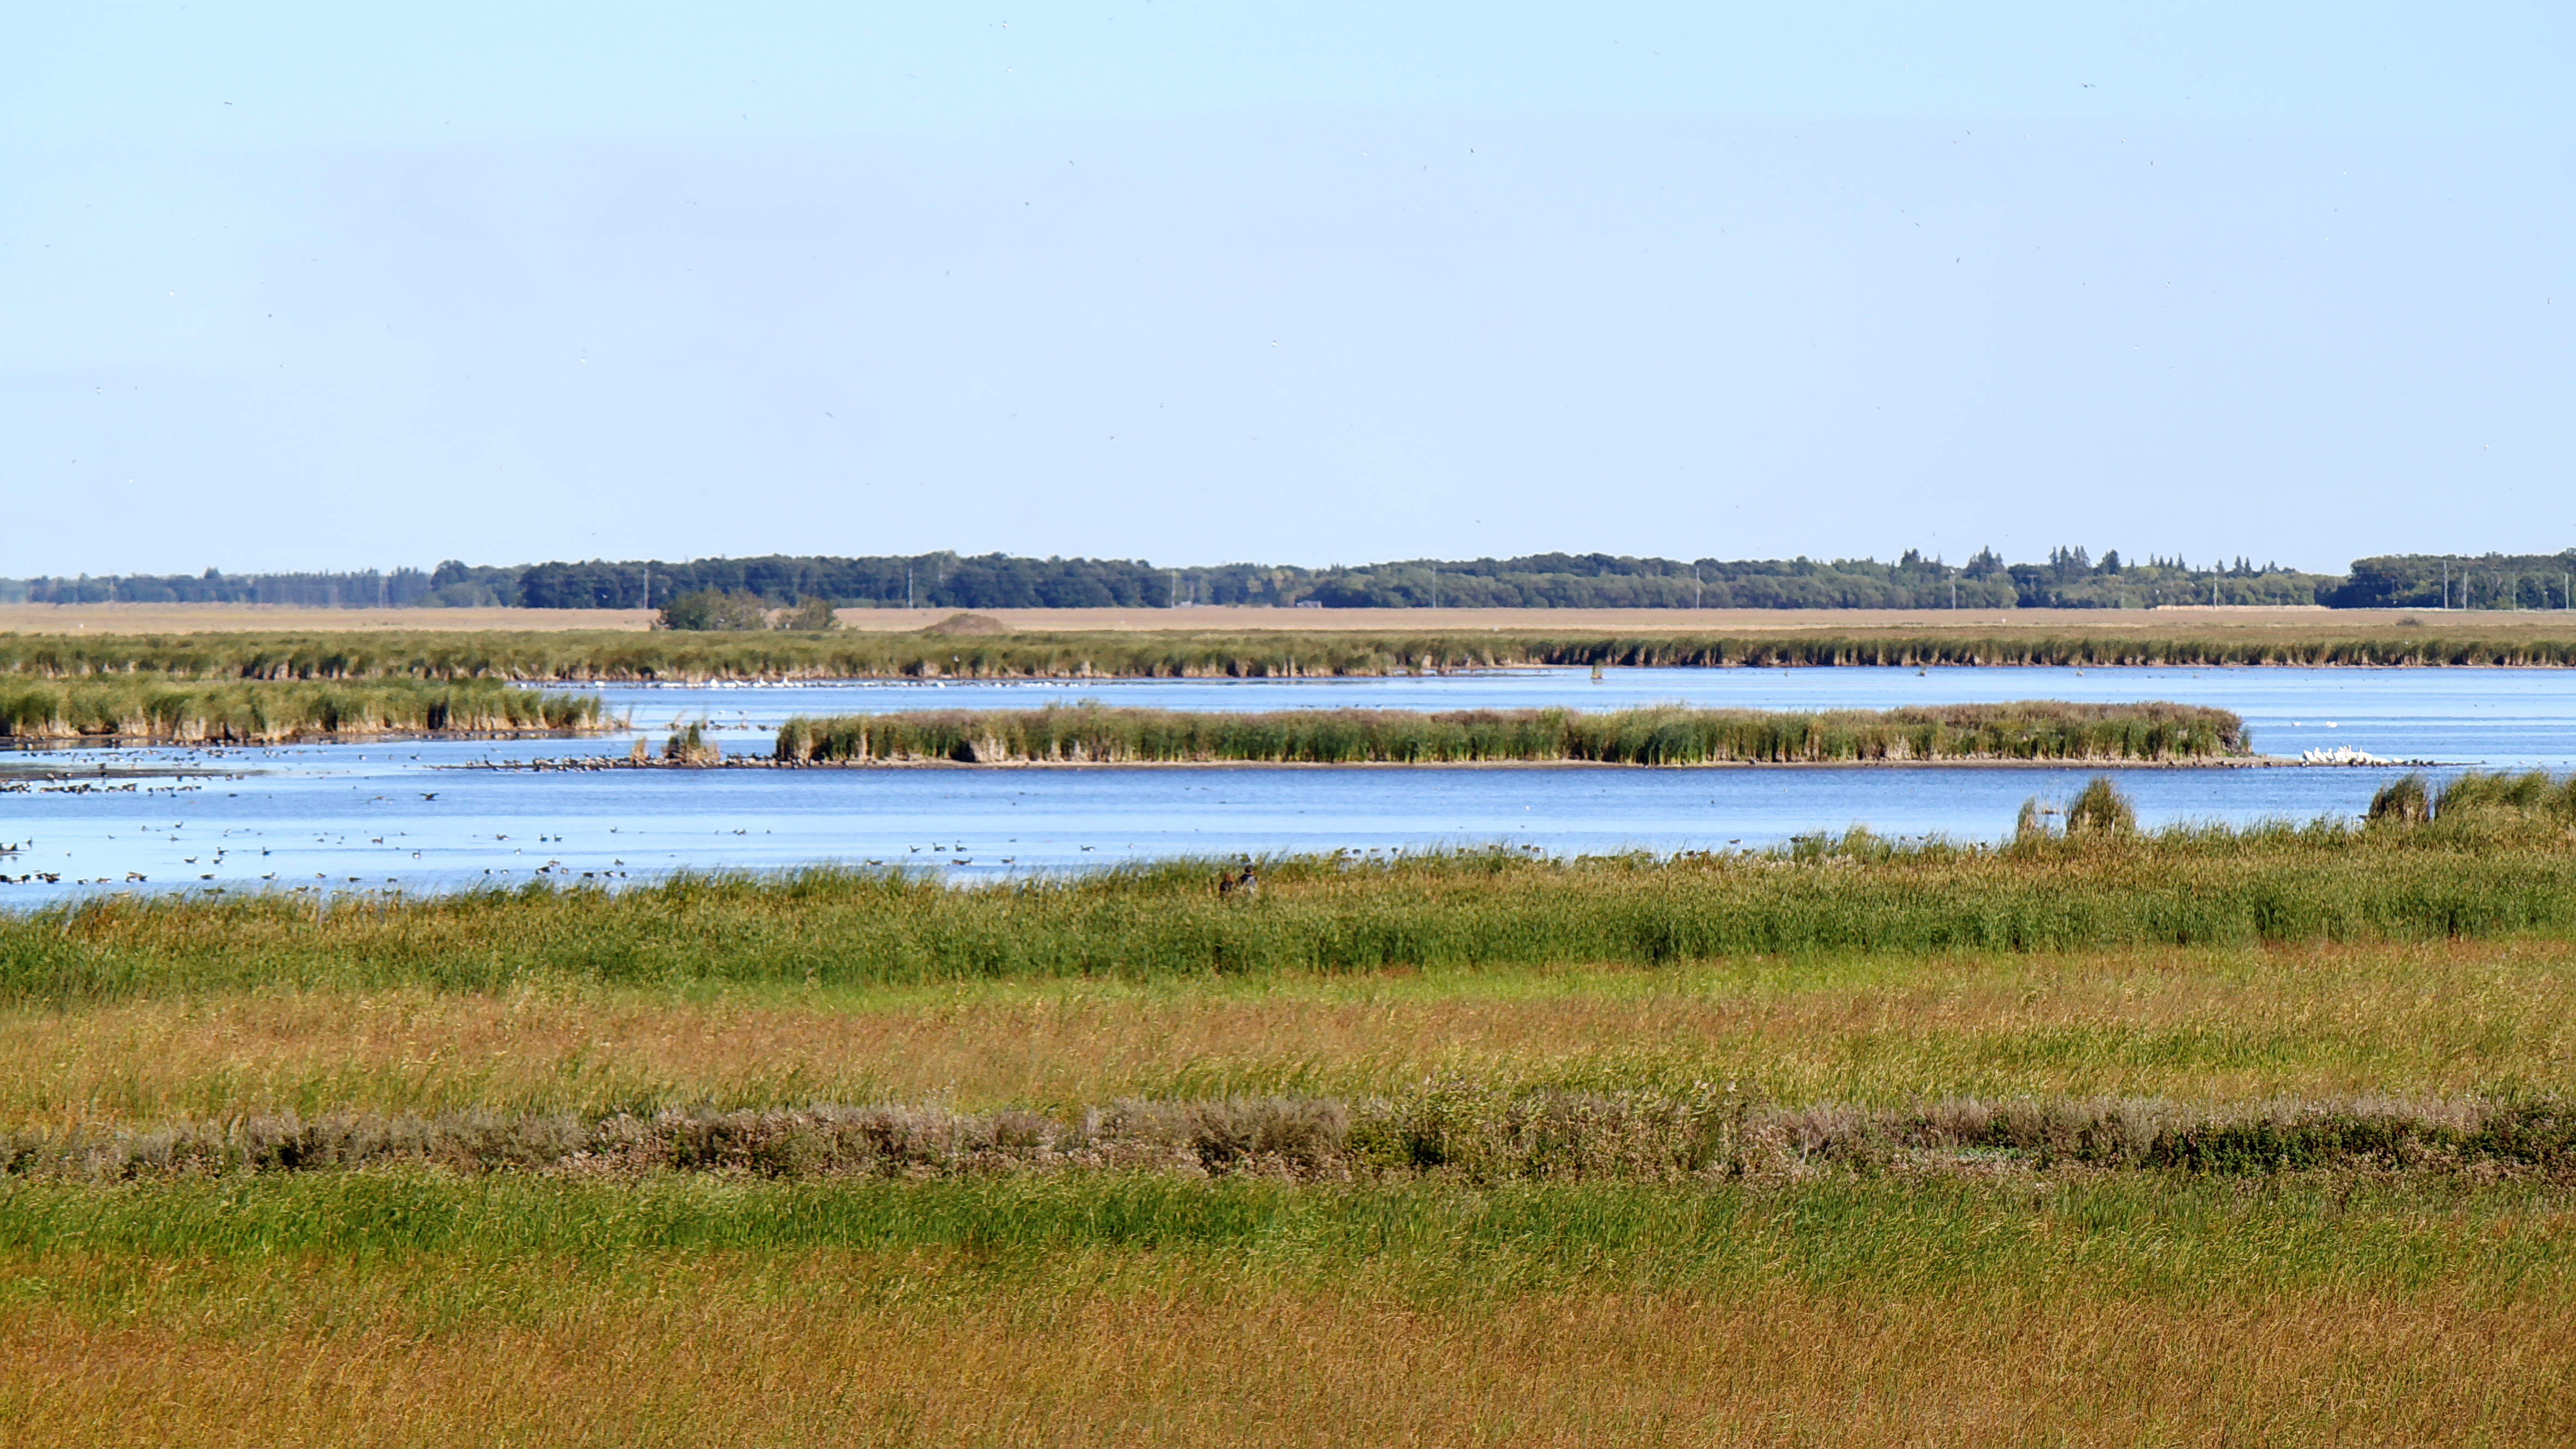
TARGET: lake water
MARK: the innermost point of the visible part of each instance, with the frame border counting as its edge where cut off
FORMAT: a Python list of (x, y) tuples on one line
[(409, 816)]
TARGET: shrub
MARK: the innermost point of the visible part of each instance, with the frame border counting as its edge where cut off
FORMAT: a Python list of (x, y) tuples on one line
[(2402, 802), (810, 616), (2099, 809), (714, 611)]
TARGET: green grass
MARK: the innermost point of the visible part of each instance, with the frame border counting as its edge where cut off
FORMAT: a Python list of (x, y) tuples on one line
[(2144, 1235), (589, 656), (150, 708), (406, 1309), (1666, 735)]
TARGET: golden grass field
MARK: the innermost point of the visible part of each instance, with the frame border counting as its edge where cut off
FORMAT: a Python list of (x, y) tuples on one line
[(2224, 622), (1876, 1311), (2228, 1026), (713, 1351)]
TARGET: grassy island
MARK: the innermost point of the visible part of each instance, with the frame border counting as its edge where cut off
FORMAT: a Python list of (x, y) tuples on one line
[(146, 709), (1669, 735)]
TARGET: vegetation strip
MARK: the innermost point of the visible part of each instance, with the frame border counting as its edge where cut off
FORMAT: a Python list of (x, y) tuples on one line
[(1670, 735), (240, 712), (1453, 1131), (402, 1307), (575, 656), (2496, 858)]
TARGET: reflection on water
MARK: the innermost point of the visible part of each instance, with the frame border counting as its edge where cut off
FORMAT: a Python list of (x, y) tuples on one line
[(373, 816)]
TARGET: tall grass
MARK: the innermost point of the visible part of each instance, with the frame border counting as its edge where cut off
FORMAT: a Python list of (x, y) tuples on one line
[(2182, 1236), (1668, 735), (1178, 653), (145, 708), (388, 1309), (2329, 882)]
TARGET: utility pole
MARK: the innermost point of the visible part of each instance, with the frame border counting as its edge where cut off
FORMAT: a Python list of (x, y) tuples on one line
[(1695, 586), (907, 586), (2446, 584), (648, 586)]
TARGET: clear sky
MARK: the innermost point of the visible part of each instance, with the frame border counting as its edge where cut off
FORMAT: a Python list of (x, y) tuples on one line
[(297, 286)]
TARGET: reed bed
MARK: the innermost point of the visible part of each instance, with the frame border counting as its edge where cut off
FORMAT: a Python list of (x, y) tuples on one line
[(1453, 1131), (1666, 735), (596, 656), (147, 709), (2477, 876)]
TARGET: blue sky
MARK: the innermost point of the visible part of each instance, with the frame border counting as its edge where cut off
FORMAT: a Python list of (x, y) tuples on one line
[(290, 286)]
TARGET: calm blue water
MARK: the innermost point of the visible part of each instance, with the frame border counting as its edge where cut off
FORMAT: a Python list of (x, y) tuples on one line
[(352, 817)]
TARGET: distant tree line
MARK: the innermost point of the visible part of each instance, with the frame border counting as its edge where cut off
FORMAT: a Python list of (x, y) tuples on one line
[(2435, 581), (367, 589), (2070, 577)]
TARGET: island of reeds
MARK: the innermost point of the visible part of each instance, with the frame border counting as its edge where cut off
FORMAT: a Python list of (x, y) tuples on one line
[(2040, 730), (578, 656), (144, 709), (2099, 1135)]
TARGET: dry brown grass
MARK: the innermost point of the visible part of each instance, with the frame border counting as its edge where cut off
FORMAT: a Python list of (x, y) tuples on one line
[(2212, 1026), (681, 1353)]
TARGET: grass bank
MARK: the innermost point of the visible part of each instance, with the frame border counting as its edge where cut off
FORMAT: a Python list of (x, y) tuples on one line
[(627, 656), (2037, 730), (145, 708)]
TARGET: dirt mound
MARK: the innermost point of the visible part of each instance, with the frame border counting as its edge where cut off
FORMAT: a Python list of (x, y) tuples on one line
[(969, 624)]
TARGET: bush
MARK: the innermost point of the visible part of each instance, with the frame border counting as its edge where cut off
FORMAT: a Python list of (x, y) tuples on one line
[(2100, 810), (810, 616), (2402, 802), (714, 611)]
